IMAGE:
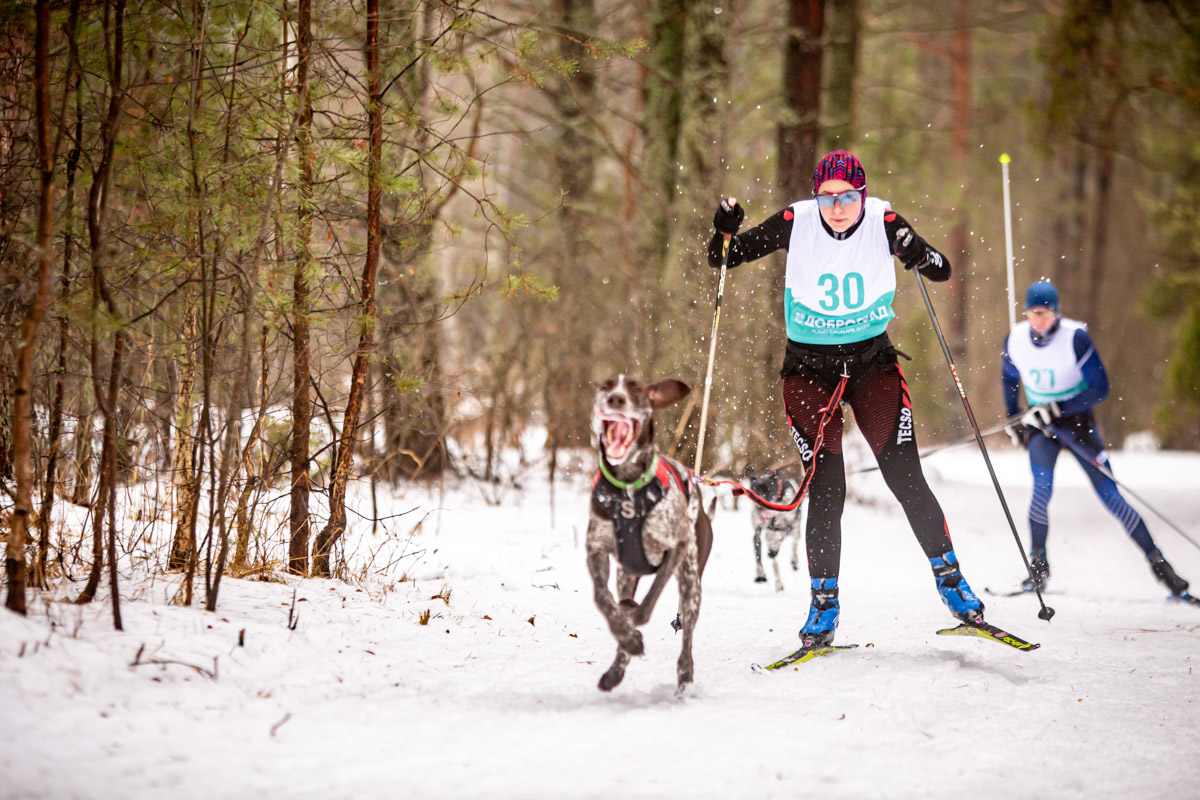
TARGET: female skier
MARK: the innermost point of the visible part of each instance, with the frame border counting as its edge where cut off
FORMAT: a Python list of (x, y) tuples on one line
[(1063, 376), (839, 284)]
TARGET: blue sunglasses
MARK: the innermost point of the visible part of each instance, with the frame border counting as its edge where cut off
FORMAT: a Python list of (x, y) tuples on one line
[(846, 198)]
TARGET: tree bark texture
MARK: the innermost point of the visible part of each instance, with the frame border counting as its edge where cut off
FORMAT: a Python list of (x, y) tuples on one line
[(800, 129), (839, 111), (98, 196), (14, 562), (569, 368), (301, 378), (183, 468), (362, 358)]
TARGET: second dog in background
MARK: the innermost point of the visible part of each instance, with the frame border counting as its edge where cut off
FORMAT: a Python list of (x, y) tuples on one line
[(776, 526)]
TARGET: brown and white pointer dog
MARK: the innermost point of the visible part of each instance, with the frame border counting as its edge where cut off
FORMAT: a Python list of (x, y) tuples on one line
[(647, 516)]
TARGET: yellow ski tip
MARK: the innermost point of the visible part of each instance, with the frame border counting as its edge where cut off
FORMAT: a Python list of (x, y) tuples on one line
[(1004, 159)]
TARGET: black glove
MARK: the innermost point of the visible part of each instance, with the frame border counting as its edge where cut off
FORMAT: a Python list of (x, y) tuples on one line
[(908, 247), (929, 259), (729, 217), (1016, 432), (912, 250)]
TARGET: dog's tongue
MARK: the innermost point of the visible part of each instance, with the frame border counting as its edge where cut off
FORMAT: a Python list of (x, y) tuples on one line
[(618, 435)]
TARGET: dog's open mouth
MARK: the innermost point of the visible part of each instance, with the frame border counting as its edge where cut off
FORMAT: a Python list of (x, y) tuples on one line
[(619, 432)]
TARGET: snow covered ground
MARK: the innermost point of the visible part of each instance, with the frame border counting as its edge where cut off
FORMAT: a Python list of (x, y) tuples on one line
[(496, 696)]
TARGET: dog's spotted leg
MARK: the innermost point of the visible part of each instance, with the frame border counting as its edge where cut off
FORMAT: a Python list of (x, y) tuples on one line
[(616, 672), (774, 544), (759, 575), (689, 610), (628, 638), (626, 590), (641, 615)]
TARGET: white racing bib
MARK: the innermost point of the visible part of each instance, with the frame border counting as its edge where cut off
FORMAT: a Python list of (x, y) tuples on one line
[(1050, 372), (837, 292)]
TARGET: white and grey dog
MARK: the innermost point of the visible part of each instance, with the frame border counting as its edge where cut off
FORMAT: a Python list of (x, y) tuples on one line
[(776, 526), (646, 515)]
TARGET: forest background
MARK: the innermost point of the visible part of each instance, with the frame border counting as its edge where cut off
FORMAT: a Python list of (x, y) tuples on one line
[(256, 251)]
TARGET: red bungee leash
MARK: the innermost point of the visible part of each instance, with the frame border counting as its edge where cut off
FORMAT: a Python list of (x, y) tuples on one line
[(826, 416)]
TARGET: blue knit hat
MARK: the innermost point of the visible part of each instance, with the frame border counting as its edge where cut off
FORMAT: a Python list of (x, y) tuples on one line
[(1042, 294)]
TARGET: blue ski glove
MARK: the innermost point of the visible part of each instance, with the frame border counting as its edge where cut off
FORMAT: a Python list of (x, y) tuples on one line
[(729, 217)]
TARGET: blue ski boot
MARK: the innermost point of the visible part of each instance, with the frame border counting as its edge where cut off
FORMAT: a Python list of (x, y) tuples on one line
[(1040, 568), (953, 588), (822, 614)]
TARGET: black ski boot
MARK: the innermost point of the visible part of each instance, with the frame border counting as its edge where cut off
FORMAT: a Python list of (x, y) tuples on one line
[(1040, 568), (1166, 575)]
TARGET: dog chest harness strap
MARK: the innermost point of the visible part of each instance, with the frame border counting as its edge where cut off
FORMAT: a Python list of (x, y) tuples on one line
[(628, 504)]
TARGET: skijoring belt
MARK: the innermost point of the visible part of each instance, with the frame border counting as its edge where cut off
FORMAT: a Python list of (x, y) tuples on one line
[(802, 358)]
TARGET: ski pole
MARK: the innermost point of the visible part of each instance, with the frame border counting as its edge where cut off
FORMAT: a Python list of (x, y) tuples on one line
[(712, 352), (1012, 291), (1046, 612), (1077, 447), (950, 445)]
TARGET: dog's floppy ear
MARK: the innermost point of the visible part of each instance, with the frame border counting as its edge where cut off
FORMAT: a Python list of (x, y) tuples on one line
[(666, 391)]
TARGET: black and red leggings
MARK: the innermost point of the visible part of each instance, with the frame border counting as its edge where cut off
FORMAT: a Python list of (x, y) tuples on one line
[(880, 400)]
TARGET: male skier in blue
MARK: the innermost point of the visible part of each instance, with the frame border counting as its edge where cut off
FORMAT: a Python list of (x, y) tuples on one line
[(1055, 361)]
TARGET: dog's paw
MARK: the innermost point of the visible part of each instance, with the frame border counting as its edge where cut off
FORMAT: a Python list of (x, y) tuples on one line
[(611, 678), (685, 672), (760, 578)]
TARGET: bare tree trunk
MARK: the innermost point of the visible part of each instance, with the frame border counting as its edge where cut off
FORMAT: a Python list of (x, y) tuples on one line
[(569, 370), (341, 470), (75, 76), (183, 470), (108, 481), (301, 405), (1069, 219), (1096, 266), (958, 242), (663, 101), (800, 130), (97, 212), (841, 59), (14, 57), (241, 515), (81, 491), (14, 561)]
